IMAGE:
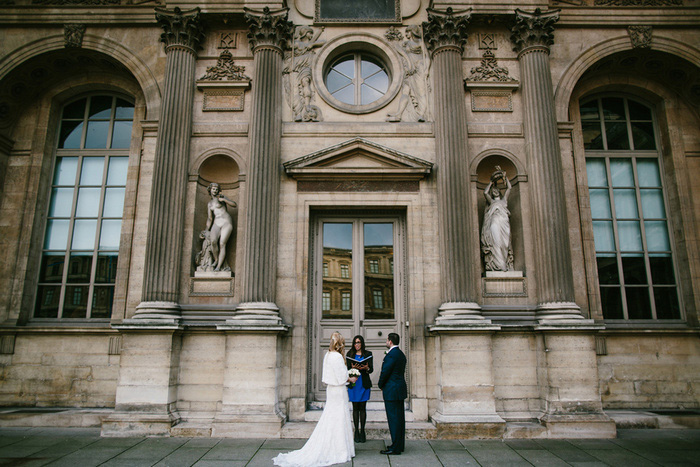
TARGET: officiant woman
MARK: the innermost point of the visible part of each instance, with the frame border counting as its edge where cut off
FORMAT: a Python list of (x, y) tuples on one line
[(359, 393)]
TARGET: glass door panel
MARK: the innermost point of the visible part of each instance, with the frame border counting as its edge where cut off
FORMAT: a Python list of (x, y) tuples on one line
[(336, 300), (379, 270)]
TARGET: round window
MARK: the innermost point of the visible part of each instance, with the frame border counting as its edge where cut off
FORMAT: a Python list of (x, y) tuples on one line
[(357, 79)]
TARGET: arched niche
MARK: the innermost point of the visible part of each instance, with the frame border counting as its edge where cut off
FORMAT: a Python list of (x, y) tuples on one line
[(485, 165), (217, 166)]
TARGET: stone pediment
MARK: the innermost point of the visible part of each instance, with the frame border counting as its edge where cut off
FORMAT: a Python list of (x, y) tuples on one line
[(358, 159)]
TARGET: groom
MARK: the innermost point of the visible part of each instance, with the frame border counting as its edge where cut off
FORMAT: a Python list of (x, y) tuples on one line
[(393, 386)]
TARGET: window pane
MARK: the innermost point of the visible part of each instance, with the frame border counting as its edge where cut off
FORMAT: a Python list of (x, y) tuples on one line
[(97, 135), (625, 204), (600, 204), (589, 110), (380, 82), (630, 235), (611, 300), (592, 135), (662, 270), (634, 270), (666, 301), (100, 107), (66, 168), (88, 202), (75, 110), (121, 135), (345, 66), (621, 173), (368, 68), (47, 298), (102, 298), (61, 202), (71, 134), (643, 135), (114, 202), (335, 81), (109, 235), (639, 111), (125, 110), (613, 108), (106, 272), (337, 248), (616, 135), (346, 95), (117, 170), (379, 280), (657, 236), (52, 268), (653, 204), (603, 236), (84, 235), (607, 270), (56, 234), (638, 304), (595, 168), (648, 173), (79, 268), (91, 173), (368, 95), (75, 301)]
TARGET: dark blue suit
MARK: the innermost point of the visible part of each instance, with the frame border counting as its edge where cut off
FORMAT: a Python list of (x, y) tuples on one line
[(393, 385)]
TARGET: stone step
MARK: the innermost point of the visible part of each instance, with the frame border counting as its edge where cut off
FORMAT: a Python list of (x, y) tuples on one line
[(374, 414), (191, 430), (373, 430)]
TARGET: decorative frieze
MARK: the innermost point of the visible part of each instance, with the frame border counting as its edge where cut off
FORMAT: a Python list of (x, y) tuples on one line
[(533, 29), (76, 2), (489, 70), (180, 28), (639, 2), (640, 36), (268, 28), (446, 29), (225, 69), (73, 35)]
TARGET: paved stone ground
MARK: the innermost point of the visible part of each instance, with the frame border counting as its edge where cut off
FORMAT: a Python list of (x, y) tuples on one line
[(83, 447)]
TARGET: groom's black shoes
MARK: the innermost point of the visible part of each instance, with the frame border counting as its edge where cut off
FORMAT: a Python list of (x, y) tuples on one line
[(390, 452)]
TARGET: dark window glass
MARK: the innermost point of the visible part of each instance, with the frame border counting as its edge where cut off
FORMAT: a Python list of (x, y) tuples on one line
[(613, 108), (102, 299), (666, 300), (589, 111), (71, 134), (662, 270), (612, 302), (616, 135), (75, 301), (51, 269), (643, 136), (639, 111), (47, 299), (357, 10), (607, 270), (638, 304), (106, 269), (100, 108), (592, 136), (76, 110)]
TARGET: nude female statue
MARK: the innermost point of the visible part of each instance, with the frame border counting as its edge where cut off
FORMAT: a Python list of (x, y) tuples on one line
[(219, 223), (495, 233)]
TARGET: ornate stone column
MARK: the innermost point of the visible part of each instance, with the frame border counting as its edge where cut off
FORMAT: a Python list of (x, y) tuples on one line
[(269, 32), (445, 34), (532, 35), (161, 285)]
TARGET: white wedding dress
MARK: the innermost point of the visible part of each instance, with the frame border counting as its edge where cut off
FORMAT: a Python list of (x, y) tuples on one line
[(332, 441)]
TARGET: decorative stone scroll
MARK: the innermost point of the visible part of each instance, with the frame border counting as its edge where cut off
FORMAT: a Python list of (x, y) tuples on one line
[(73, 35), (640, 36)]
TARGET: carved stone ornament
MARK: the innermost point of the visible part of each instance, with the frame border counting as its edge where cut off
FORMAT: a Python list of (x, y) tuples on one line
[(76, 2), (639, 2), (446, 29), (225, 69), (640, 36), (268, 28), (299, 60), (73, 35), (180, 28), (413, 105), (533, 29), (489, 70)]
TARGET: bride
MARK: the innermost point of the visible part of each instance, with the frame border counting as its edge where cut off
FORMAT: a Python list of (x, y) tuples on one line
[(332, 441)]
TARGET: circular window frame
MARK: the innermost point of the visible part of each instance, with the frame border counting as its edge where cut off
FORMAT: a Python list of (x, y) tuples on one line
[(362, 43)]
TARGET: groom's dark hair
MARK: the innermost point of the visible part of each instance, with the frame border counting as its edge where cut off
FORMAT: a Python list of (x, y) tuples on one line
[(394, 338)]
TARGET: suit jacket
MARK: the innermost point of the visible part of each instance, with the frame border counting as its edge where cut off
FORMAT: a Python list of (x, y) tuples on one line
[(366, 382), (391, 380)]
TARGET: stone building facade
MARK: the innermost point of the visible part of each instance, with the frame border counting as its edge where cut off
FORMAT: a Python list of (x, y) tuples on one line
[(353, 147)]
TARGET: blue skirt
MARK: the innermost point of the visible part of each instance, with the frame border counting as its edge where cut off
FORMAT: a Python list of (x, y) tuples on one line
[(357, 393)]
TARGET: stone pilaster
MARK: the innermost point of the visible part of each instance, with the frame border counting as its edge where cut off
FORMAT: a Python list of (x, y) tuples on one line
[(532, 35), (161, 286), (269, 32), (445, 35)]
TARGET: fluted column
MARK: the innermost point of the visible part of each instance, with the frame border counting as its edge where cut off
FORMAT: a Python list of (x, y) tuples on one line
[(445, 35), (161, 286), (269, 32), (532, 35)]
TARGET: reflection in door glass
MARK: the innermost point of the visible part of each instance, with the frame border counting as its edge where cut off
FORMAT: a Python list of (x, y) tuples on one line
[(379, 274), (337, 275)]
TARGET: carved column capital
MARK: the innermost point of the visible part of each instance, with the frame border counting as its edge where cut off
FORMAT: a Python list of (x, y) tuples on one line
[(446, 29), (268, 29), (533, 29), (181, 29)]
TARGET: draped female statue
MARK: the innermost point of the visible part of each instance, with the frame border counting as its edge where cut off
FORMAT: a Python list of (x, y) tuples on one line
[(495, 233)]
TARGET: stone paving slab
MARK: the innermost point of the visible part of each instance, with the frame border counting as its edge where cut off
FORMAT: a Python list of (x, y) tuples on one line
[(30, 447)]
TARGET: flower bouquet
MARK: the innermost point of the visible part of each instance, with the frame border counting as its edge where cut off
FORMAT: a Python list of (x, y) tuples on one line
[(353, 374)]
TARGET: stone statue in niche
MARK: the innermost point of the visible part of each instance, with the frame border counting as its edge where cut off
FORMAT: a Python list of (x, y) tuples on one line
[(413, 104), (495, 232), (298, 83), (212, 256)]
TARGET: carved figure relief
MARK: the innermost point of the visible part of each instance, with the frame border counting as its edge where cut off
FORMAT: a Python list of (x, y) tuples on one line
[(212, 256), (297, 79), (495, 232), (413, 104)]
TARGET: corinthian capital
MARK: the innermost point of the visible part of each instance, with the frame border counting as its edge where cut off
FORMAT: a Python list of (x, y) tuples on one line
[(446, 29), (533, 29), (180, 28), (268, 28)]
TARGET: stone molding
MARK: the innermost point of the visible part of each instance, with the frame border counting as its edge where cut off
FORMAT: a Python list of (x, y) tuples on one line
[(73, 35), (640, 36), (268, 28), (181, 29), (533, 29), (638, 2), (446, 29)]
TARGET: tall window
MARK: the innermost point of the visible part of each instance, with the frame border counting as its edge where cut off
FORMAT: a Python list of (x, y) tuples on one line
[(325, 269), (374, 266), (81, 241), (326, 301), (345, 271), (630, 225), (345, 301), (378, 298)]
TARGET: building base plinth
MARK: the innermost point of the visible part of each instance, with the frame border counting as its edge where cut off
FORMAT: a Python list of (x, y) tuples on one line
[(469, 426), (125, 424), (247, 426), (579, 426)]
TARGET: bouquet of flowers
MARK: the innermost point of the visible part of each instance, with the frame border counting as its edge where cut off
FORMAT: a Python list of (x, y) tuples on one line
[(353, 374)]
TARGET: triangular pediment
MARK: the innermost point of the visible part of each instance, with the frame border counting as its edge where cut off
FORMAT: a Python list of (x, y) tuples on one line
[(358, 159)]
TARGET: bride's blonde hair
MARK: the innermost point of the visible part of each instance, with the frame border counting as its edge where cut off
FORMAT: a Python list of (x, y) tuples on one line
[(337, 344)]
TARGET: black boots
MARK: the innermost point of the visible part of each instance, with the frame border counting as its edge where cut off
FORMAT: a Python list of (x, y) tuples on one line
[(357, 437), (363, 437)]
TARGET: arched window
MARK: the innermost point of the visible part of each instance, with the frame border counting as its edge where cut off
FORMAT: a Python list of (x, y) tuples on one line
[(634, 250), (81, 240)]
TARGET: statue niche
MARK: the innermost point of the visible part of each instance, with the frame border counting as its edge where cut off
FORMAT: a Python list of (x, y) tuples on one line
[(495, 231)]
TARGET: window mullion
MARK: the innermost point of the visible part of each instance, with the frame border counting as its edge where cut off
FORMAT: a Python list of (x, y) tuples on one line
[(616, 238), (642, 230), (603, 133)]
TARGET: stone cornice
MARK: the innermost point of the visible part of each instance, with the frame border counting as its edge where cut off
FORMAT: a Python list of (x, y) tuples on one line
[(446, 29), (268, 29), (533, 29), (181, 29)]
